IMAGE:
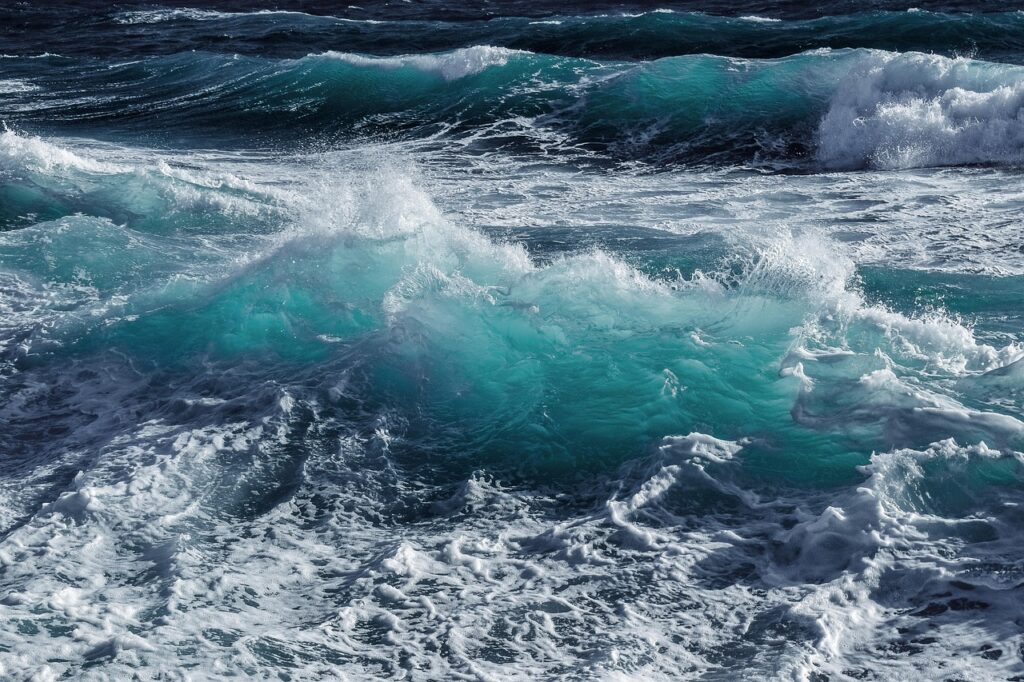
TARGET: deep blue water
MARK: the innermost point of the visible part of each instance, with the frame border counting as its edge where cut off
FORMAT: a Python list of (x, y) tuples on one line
[(433, 340)]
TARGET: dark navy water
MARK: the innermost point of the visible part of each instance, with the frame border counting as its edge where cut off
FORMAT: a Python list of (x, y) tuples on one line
[(512, 340)]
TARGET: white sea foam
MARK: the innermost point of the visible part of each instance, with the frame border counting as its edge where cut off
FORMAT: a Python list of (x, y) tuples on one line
[(43, 55), (155, 16), (908, 110), (14, 86), (467, 61), (188, 186), (273, 521), (19, 150)]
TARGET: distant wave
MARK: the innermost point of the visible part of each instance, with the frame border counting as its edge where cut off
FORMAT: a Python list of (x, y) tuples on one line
[(839, 108), (451, 66), (154, 16), (187, 14), (650, 34)]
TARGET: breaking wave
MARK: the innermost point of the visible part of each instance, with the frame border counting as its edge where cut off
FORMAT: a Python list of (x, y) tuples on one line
[(841, 109)]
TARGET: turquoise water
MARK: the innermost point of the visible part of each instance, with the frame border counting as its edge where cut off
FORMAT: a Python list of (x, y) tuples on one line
[(552, 350)]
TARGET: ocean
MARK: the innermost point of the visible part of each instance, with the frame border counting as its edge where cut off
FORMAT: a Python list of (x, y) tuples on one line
[(429, 340)]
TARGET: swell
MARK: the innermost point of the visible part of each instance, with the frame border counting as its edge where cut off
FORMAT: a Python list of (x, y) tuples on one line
[(838, 109), (615, 34)]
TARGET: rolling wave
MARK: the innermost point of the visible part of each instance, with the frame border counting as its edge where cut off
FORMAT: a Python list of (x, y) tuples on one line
[(592, 33), (840, 109)]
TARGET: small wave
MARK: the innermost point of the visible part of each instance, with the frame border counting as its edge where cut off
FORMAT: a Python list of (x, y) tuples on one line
[(155, 16), (123, 184), (43, 55), (14, 86), (21, 150), (450, 65)]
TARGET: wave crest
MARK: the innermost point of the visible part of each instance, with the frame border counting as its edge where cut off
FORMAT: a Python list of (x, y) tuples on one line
[(451, 66), (917, 110)]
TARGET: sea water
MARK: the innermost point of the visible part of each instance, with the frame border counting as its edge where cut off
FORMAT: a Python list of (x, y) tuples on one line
[(537, 341)]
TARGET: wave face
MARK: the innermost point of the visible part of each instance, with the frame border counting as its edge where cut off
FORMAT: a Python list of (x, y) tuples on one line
[(593, 342)]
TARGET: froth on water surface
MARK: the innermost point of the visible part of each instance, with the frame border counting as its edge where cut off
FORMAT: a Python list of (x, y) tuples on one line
[(486, 359)]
